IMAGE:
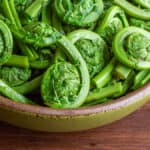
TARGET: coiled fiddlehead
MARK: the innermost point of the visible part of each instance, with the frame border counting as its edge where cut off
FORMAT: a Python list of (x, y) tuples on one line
[(92, 48), (38, 34), (61, 74), (6, 43), (135, 11), (114, 20), (80, 12), (131, 46), (12, 94), (9, 11), (14, 76)]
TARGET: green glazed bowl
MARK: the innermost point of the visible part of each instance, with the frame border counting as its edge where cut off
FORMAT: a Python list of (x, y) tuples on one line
[(67, 120)]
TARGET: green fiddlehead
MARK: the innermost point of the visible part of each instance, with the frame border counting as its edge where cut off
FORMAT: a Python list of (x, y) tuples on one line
[(6, 43), (38, 34), (61, 74), (74, 53), (79, 13), (114, 20), (135, 11), (136, 53), (14, 76), (9, 11), (92, 48)]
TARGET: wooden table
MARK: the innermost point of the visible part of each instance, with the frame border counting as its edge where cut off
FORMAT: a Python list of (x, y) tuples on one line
[(131, 133)]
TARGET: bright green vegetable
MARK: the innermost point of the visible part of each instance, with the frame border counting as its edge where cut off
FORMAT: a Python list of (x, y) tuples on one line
[(92, 48), (46, 14), (73, 53), (139, 78), (32, 12), (121, 71), (80, 13), (38, 34), (12, 94), (6, 43), (79, 96), (10, 12), (60, 75), (143, 3), (14, 76), (140, 23), (107, 91), (105, 75), (16, 59), (136, 52), (114, 20), (21, 5), (29, 86), (126, 84), (133, 10)]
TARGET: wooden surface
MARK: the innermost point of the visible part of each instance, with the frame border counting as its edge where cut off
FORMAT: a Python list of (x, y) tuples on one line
[(131, 133)]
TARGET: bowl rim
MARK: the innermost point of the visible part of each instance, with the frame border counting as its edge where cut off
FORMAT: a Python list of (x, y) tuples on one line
[(123, 101)]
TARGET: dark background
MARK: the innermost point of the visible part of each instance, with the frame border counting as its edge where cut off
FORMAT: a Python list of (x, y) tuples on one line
[(130, 133)]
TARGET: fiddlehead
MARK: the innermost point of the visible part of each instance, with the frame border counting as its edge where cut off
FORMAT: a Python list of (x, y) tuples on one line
[(38, 34), (64, 61), (114, 20), (79, 13), (92, 48), (6, 43), (136, 53), (62, 74), (14, 76), (135, 11), (9, 11)]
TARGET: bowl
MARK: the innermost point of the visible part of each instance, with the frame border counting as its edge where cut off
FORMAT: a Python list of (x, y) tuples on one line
[(42, 118)]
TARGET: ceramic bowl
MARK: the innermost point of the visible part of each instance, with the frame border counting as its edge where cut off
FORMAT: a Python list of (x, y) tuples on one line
[(67, 120)]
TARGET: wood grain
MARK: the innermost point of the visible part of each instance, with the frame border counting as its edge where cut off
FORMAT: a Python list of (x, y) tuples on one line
[(131, 133)]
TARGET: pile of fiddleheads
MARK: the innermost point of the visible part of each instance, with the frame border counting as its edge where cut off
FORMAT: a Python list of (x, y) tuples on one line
[(73, 53)]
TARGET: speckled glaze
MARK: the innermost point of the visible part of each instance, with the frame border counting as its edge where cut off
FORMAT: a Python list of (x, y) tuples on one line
[(68, 120)]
